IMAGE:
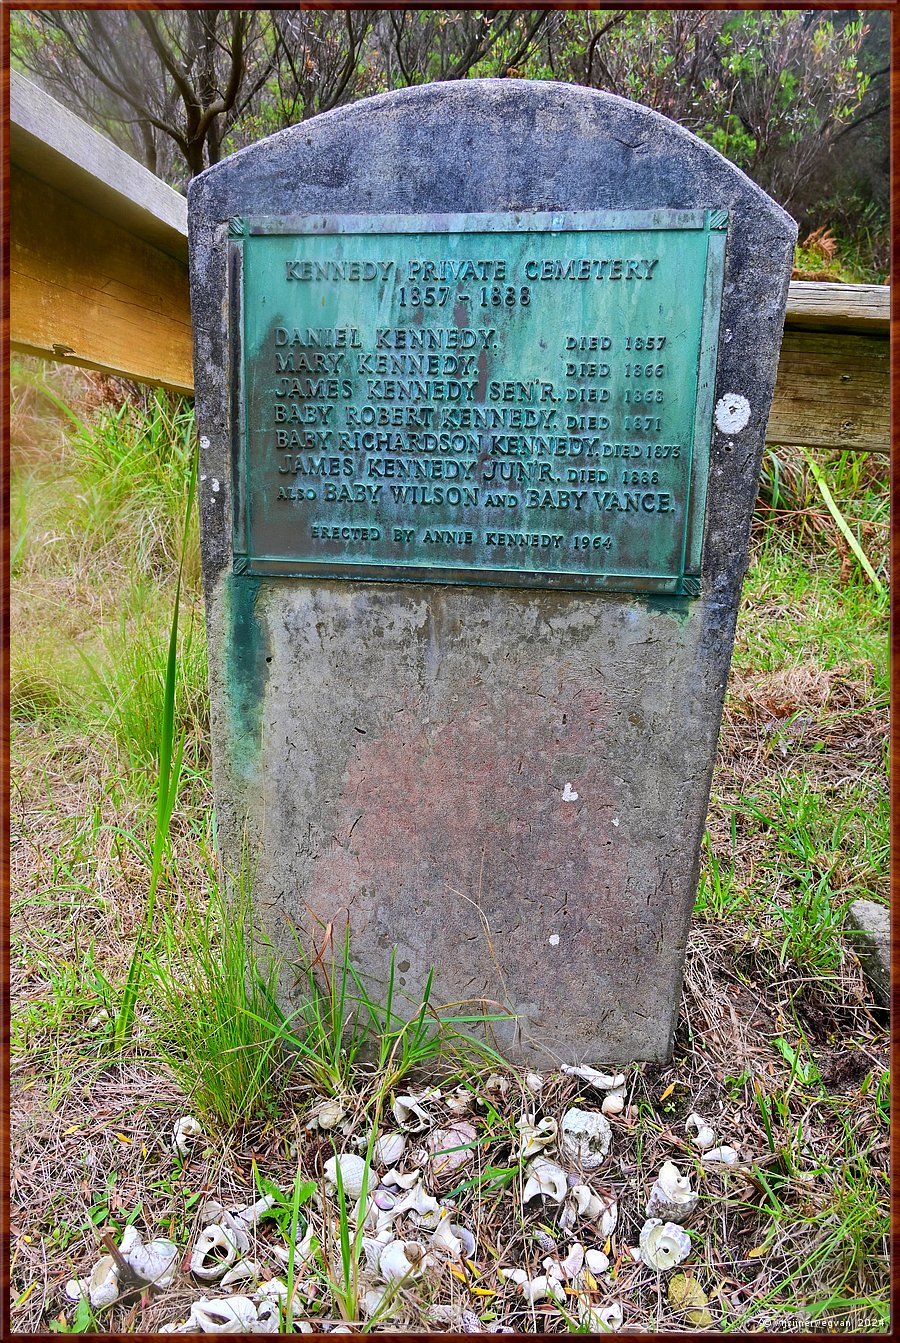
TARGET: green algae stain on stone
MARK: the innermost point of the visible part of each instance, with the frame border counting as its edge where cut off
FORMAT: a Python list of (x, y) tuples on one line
[(247, 659)]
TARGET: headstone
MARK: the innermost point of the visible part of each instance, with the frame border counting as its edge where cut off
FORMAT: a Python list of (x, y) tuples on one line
[(482, 375)]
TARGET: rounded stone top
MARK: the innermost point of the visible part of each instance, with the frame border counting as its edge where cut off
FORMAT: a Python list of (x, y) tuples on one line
[(483, 145)]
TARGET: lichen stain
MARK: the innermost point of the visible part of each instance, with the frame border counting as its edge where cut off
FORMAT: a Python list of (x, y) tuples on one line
[(247, 661)]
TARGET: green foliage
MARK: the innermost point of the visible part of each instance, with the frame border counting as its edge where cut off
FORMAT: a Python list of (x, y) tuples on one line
[(211, 993)]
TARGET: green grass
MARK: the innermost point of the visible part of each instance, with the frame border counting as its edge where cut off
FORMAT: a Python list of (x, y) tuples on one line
[(104, 884)]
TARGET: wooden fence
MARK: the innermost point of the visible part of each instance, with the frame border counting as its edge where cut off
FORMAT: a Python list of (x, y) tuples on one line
[(99, 278)]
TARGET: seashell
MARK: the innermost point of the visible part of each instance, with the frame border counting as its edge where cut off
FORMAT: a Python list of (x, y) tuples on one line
[(587, 1203), (401, 1180), (461, 1101), (450, 1149), (586, 1136), (663, 1245), (402, 1259), (544, 1177), (614, 1102), (103, 1284), (609, 1217), (327, 1115), (214, 1253), (671, 1197), (568, 1267), (603, 1319), (410, 1114), (497, 1082), (441, 1314), (597, 1262), (534, 1137), (210, 1211), (374, 1299), (422, 1207), (236, 1232), (99, 1018), (252, 1212), (268, 1317), (704, 1137), (445, 1238), (388, 1149), (384, 1200), (229, 1315), (274, 1288), (186, 1128), (154, 1263), (243, 1271), (535, 1289), (725, 1156), (686, 1295), (371, 1248), (534, 1082), (353, 1174), (76, 1288), (602, 1081)]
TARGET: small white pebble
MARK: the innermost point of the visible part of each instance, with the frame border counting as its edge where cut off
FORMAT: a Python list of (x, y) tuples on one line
[(553, 939), (569, 794)]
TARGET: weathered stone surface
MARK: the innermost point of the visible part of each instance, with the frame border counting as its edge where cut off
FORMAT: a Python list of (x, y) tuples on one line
[(870, 938), (408, 755)]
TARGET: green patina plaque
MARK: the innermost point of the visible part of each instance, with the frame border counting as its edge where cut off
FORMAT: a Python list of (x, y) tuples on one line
[(520, 399)]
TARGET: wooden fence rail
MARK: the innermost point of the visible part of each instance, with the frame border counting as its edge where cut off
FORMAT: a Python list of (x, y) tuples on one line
[(99, 278)]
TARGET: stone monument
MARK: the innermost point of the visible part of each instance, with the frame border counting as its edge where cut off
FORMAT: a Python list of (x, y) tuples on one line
[(482, 374)]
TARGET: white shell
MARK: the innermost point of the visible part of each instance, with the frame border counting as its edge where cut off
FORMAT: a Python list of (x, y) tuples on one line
[(544, 1177), (399, 1179), (534, 1082), (586, 1136), (154, 1262), (229, 1315), (609, 1218), (704, 1136), (268, 1317), (328, 1115), (535, 1289), (603, 1319), (461, 1101), (274, 1288), (374, 1299), (445, 1237), (410, 1113), (76, 1288), (401, 1259), (251, 1212), (206, 1263), (671, 1197), (103, 1284), (663, 1245), (422, 1207), (597, 1261), (186, 1128), (533, 1138), (602, 1081), (388, 1149), (725, 1156), (587, 1203), (242, 1271), (353, 1173), (614, 1102)]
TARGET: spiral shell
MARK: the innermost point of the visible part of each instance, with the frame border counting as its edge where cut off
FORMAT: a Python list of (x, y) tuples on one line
[(663, 1245), (585, 1138), (671, 1196)]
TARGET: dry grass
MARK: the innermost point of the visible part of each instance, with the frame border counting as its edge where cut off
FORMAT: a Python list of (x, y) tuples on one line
[(779, 1042)]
